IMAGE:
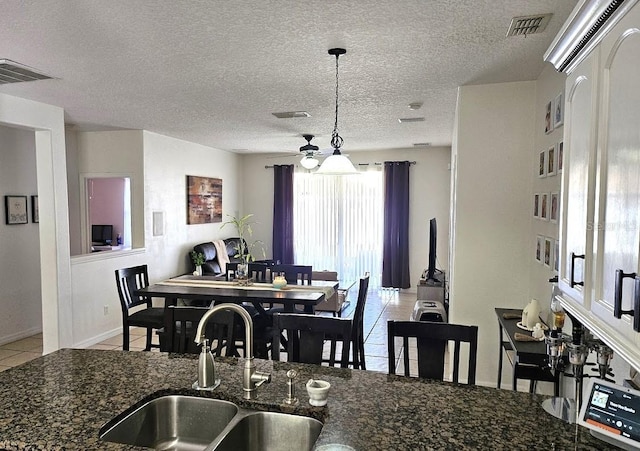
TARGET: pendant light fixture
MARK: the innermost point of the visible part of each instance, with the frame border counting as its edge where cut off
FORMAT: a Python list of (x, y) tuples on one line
[(336, 164)]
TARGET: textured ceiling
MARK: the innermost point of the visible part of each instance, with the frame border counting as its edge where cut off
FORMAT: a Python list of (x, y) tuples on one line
[(213, 72)]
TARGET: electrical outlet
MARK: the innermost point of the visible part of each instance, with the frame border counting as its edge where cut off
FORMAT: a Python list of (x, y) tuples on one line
[(106, 310)]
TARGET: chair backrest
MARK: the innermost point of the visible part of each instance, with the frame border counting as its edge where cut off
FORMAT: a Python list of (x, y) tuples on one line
[(358, 321), (180, 329), (128, 280), (432, 339), (307, 336), (295, 274), (230, 272), (258, 271)]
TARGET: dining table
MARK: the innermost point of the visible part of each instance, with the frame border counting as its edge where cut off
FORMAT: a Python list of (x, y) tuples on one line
[(206, 289)]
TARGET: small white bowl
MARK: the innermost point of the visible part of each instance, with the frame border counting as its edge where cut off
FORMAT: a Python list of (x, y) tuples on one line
[(318, 392)]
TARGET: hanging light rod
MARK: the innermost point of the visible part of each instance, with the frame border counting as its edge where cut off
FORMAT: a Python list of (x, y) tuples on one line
[(336, 163)]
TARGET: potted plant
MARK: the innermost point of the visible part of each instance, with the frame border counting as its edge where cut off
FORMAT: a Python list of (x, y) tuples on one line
[(198, 260), (244, 248)]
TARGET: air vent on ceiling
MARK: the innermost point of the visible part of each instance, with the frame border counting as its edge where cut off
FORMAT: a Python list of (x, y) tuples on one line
[(421, 144), (522, 26), (12, 72), (404, 120), (291, 114)]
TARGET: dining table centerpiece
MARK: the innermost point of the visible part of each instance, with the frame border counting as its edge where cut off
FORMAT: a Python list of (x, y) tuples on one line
[(244, 248)]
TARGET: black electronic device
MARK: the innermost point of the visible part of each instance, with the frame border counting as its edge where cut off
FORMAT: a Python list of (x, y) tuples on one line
[(102, 234), (612, 413), (433, 241)]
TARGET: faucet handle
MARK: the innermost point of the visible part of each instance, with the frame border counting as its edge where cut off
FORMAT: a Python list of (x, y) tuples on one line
[(291, 388)]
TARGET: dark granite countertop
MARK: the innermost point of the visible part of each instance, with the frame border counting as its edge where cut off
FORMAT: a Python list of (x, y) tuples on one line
[(60, 401)]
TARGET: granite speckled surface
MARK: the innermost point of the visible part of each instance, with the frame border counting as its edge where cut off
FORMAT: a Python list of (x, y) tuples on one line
[(60, 401)]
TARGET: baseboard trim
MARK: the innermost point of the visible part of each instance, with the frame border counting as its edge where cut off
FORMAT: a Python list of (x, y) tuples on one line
[(20, 335), (98, 338)]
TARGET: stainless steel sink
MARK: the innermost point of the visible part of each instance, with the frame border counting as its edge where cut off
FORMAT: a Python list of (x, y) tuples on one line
[(177, 422), (270, 431), (172, 423)]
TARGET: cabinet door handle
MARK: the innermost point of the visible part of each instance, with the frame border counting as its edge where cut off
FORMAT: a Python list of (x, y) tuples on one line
[(572, 281), (617, 295), (636, 305)]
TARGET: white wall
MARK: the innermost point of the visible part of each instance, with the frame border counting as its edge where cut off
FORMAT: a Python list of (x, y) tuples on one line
[(491, 251), (20, 297), (55, 274), (429, 197), (167, 162)]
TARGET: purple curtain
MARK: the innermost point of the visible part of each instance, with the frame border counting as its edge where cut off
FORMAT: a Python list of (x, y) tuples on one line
[(395, 246), (283, 213)]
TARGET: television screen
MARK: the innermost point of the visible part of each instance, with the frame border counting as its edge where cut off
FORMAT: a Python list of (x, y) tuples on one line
[(433, 241), (102, 234)]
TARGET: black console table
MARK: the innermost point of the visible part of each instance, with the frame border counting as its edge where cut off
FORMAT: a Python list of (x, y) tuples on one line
[(530, 360)]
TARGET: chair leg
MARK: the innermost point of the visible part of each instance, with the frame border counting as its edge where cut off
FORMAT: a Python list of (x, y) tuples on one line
[(149, 336), (125, 338), (363, 366)]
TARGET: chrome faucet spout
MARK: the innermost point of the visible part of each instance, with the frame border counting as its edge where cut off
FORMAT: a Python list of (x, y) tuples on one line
[(251, 379)]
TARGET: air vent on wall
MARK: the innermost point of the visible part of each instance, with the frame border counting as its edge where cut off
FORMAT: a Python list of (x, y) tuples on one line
[(12, 72), (522, 26), (404, 120)]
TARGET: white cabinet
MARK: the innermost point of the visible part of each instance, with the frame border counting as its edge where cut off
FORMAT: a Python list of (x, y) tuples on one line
[(579, 179), (601, 187)]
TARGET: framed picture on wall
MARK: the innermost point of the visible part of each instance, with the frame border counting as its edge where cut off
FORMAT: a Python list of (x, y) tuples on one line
[(558, 111), (542, 164), (15, 208), (551, 160), (548, 251), (539, 248), (560, 155), (536, 205), (548, 118), (554, 207), (544, 206), (35, 211), (204, 200), (556, 255)]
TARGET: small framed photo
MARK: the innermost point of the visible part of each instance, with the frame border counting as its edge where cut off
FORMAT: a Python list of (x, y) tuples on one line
[(536, 205), (35, 211), (544, 206), (558, 111), (560, 155), (556, 255), (548, 118), (554, 208), (548, 251), (551, 160), (542, 164), (16, 209), (539, 248)]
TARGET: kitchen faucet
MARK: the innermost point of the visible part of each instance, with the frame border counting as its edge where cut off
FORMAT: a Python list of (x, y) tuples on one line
[(251, 379)]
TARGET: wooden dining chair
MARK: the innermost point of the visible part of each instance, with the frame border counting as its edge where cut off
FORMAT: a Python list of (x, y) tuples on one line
[(357, 329), (230, 271), (180, 328), (431, 340), (127, 281), (307, 336), (294, 274)]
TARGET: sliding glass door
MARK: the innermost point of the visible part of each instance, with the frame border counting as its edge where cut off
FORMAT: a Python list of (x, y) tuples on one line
[(338, 223)]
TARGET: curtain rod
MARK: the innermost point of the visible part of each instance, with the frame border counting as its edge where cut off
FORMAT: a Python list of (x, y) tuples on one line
[(411, 163)]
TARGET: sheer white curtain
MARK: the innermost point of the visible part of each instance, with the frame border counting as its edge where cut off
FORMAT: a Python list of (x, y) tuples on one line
[(338, 223)]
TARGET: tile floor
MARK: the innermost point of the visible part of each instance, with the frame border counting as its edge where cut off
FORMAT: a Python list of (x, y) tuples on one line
[(382, 305)]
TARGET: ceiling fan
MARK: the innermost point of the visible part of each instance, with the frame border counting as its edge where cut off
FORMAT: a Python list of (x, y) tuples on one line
[(310, 151)]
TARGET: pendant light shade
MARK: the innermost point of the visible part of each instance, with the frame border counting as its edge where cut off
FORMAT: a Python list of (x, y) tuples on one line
[(336, 164)]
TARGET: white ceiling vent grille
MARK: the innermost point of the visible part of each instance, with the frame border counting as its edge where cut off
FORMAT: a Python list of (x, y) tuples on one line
[(12, 72), (522, 26)]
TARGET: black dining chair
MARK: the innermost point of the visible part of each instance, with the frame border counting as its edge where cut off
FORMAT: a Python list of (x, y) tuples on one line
[(431, 340), (180, 328), (307, 336), (127, 281), (294, 274), (357, 330)]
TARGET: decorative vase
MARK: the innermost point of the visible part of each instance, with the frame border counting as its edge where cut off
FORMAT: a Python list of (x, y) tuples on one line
[(279, 282), (531, 314), (198, 271), (242, 272)]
